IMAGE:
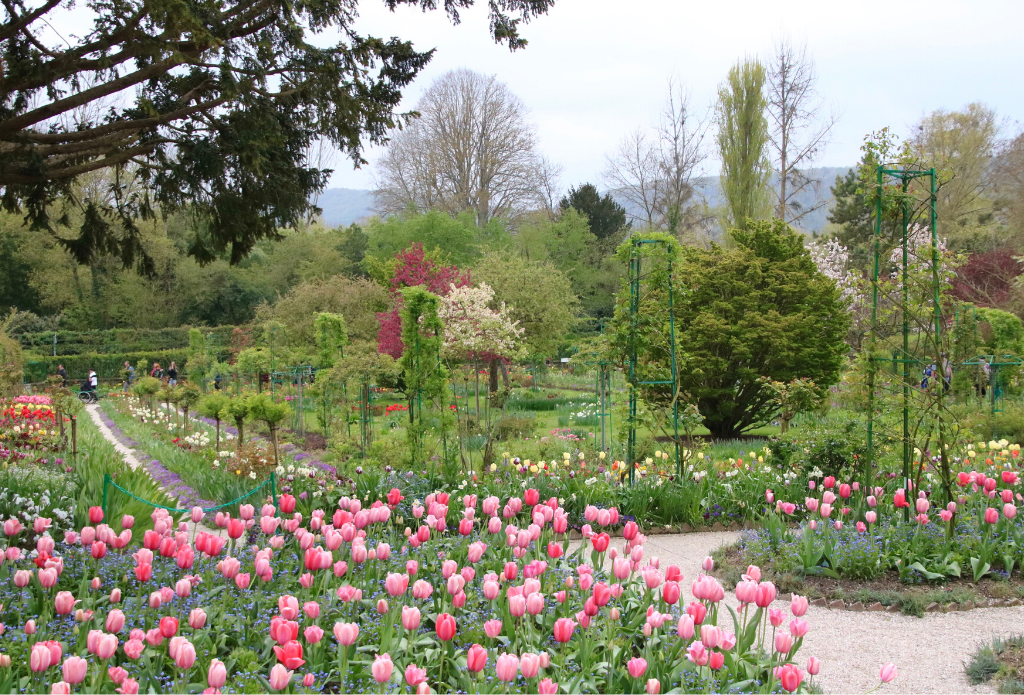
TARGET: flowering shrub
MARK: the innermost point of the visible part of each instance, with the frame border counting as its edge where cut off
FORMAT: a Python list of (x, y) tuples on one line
[(495, 600)]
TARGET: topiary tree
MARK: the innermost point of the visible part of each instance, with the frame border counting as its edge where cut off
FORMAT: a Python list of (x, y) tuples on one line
[(238, 410), (212, 406), (147, 387), (263, 408), (188, 396), (255, 361)]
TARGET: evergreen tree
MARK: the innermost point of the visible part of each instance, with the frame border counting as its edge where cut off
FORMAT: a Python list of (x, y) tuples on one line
[(607, 218)]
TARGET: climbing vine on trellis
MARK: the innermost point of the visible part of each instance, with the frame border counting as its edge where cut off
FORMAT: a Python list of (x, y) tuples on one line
[(426, 379)]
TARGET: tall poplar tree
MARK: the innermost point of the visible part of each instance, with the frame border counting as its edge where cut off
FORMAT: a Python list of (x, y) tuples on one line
[(743, 143)]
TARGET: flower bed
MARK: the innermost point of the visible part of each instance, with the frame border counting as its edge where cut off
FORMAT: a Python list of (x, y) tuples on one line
[(357, 599)]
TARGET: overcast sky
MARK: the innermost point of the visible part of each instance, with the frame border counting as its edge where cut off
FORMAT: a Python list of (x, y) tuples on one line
[(596, 69)]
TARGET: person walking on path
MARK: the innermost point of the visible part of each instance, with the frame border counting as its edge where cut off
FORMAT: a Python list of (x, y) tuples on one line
[(63, 374), (129, 376)]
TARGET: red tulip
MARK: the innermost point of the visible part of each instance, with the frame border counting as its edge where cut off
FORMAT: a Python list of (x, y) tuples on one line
[(789, 677), (95, 515), (168, 627), (144, 572)]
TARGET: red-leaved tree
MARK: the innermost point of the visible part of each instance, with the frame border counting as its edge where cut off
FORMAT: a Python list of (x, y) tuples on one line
[(414, 267), (987, 278)]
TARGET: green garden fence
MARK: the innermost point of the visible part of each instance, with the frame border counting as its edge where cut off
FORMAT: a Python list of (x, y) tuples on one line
[(109, 482)]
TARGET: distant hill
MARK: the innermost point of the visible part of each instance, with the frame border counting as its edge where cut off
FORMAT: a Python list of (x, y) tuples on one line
[(343, 206), (825, 177)]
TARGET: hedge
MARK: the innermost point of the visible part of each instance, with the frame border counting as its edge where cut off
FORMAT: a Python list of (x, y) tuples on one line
[(107, 366), (117, 340)]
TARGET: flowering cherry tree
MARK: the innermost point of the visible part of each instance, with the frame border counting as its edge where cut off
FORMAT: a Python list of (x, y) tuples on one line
[(473, 329)]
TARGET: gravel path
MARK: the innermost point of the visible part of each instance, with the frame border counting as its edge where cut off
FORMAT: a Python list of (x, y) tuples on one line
[(929, 652)]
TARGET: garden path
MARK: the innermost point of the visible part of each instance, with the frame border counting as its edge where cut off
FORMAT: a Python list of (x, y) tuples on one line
[(929, 652), (128, 455)]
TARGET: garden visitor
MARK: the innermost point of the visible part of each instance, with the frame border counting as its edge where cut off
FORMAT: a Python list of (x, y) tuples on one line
[(92, 382), (63, 374), (216, 382), (129, 375), (172, 374), (947, 372), (157, 372), (928, 371)]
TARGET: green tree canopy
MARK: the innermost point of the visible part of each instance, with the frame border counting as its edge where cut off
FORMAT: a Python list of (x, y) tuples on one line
[(457, 240), (211, 106), (761, 309), (606, 217), (539, 296)]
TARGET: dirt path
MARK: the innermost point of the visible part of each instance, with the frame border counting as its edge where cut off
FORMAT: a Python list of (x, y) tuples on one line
[(929, 652)]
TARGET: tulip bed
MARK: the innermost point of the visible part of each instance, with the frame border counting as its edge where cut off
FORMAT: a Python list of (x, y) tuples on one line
[(860, 534), (354, 599)]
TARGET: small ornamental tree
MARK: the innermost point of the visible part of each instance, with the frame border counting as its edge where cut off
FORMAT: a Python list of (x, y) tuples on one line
[(413, 268), (263, 408), (472, 329), (426, 379), (212, 406), (475, 331), (792, 398), (238, 410), (188, 396)]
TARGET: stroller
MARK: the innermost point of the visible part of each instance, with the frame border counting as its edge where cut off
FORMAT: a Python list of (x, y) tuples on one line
[(88, 393)]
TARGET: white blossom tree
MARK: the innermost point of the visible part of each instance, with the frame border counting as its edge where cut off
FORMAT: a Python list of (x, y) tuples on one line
[(473, 330)]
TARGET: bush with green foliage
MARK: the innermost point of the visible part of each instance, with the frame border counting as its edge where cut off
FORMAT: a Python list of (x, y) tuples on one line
[(761, 309)]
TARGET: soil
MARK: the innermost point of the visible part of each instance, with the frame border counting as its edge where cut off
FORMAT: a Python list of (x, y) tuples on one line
[(730, 564), (311, 441)]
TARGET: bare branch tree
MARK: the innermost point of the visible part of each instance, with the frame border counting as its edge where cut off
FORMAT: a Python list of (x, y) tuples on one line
[(798, 132), (549, 184), (634, 172), (682, 152), (654, 171), (472, 148)]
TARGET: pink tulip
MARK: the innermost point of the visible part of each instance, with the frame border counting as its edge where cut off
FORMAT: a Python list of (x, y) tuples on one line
[(74, 669), (547, 687), (115, 621), (507, 667), (129, 687), (783, 642), (133, 648), (798, 605), (991, 517), (798, 628), (280, 677), (346, 633), (197, 618), (813, 665), (529, 665), (217, 674), (637, 666), (414, 675), (65, 602), (107, 646), (410, 617), (382, 668), (789, 677), (888, 672), (313, 634)]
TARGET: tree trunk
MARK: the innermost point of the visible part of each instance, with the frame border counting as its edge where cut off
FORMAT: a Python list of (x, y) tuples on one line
[(184, 421), (240, 426), (783, 425), (504, 374), (493, 385)]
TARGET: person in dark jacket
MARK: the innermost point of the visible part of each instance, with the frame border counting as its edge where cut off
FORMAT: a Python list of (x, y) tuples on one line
[(63, 374)]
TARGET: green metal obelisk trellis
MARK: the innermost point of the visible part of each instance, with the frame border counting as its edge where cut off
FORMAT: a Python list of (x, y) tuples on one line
[(635, 276), (903, 177)]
